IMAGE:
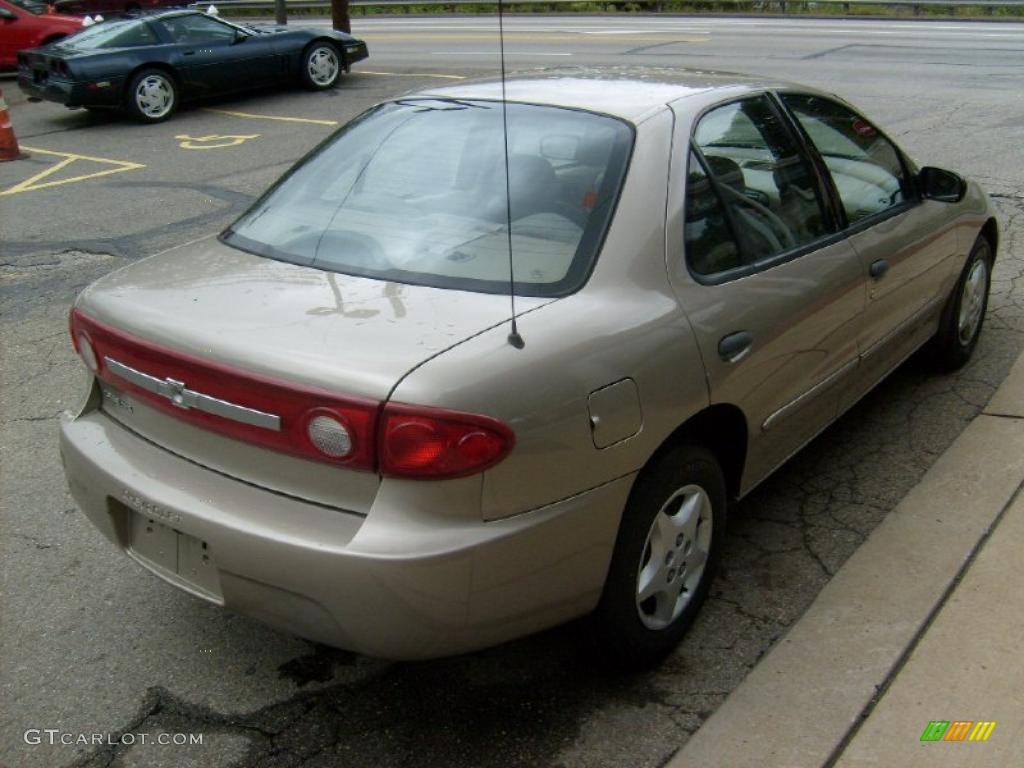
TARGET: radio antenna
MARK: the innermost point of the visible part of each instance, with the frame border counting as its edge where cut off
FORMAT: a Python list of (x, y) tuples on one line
[(513, 336)]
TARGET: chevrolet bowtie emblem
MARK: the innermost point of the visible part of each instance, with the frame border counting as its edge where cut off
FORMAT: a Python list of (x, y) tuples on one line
[(176, 392), (188, 399)]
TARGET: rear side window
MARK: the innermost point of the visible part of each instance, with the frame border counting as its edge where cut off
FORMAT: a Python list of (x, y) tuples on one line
[(866, 168), (711, 246), (116, 34), (762, 177)]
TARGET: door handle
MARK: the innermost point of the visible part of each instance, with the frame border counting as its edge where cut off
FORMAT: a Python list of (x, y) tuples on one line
[(735, 346), (190, 53), (878, 269)]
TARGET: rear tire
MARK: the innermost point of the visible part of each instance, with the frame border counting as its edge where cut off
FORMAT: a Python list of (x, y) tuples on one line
[(321, 66), (152, 96), (964, 313), (668, 547)]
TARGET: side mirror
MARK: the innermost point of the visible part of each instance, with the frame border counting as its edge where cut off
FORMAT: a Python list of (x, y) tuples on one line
[(240, 37), (8, 15), (944, 186)]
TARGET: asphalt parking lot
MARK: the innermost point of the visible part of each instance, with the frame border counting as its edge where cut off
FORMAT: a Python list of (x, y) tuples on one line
[(91, 644)]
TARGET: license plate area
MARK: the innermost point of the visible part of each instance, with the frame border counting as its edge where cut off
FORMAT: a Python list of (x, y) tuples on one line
[(177, 557)]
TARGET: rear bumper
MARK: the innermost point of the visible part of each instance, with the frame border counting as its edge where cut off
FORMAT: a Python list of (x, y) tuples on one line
[(68, 92), (391, 584)]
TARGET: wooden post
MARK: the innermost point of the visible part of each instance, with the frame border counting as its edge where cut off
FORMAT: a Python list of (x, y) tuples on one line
[(280, 13), (339, 15)]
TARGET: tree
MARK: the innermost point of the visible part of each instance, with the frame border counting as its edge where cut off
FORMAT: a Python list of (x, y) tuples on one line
[(339, 15)]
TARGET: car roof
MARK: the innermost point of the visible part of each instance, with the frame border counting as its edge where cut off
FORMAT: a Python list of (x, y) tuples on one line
[(633, 93), (169, 12)]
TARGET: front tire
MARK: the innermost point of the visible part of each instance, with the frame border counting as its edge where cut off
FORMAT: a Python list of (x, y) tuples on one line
[(964, 314), (321, 66), (152, 96), (669, 544)]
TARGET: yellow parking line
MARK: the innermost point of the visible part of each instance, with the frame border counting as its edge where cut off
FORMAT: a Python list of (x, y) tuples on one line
[(410, 74), (251, 116), (33, 182)]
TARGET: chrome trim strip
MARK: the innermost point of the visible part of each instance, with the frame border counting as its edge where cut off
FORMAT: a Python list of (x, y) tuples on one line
[(906, 325), (184, 398), (794, 404), (909, 324)]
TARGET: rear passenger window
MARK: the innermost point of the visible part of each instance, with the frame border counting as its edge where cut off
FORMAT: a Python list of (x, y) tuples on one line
[(710, 243), (865, 167), (761, 175)]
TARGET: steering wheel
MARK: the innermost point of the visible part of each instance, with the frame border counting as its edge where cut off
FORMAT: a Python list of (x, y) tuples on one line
[(781, 230)]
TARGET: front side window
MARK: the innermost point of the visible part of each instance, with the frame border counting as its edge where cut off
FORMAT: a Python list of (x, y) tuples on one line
[(414, 191), (762, 176), (865, 167), (198, 29)]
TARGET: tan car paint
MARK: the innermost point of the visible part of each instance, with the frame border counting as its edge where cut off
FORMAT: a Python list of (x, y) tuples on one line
[(344, 333), (441, 567)]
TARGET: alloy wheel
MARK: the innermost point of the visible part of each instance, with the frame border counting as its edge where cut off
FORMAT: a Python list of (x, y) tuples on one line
[(323, 66), (972, 301), (154, 96), (674, 557)]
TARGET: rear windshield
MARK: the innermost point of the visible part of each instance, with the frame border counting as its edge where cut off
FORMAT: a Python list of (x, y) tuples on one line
[(415, 192), (115, 34)]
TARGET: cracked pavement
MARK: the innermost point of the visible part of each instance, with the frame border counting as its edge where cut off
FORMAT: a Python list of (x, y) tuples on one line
[(90, 643)]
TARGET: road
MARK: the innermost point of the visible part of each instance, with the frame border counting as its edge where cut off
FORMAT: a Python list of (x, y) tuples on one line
[(91, 644)]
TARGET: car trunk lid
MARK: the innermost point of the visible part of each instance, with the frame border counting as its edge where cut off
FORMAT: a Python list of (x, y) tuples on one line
[(230, 310)]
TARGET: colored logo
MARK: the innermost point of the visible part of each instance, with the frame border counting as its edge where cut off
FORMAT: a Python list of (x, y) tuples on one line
[(958, 730)]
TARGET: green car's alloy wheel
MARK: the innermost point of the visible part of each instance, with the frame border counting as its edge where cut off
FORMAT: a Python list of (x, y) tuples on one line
[(152, 96), (321, 66)]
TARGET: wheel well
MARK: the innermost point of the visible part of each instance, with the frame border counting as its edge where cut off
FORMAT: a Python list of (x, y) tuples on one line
[(722, 429), (990, 231)]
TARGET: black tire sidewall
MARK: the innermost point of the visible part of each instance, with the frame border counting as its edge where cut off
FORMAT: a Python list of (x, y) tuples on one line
[(623, 637), (950, 352), (133, 108), (305, 66)]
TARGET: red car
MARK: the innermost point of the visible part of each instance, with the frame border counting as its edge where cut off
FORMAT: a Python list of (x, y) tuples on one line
[(114, 7), (26, 24)]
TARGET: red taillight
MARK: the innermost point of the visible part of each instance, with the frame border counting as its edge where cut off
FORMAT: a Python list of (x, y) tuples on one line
[(399, 440), (428, 443)]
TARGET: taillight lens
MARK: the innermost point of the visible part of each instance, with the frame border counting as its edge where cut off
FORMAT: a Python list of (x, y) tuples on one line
[(429, 443), (87, 353), (329, 434), (82, 344)]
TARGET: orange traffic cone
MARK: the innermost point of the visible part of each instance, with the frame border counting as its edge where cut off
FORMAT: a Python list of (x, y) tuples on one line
[(8, 142)]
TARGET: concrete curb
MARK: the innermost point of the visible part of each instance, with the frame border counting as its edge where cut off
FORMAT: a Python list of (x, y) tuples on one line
[(805, 702)]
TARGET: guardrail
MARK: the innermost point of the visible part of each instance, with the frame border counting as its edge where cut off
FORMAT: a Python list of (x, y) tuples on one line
[(653, 5)]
